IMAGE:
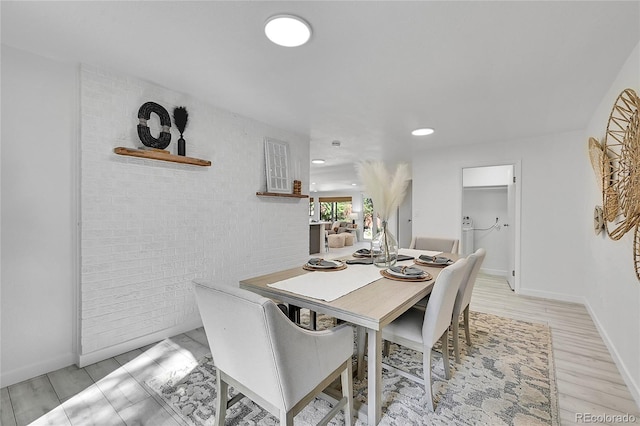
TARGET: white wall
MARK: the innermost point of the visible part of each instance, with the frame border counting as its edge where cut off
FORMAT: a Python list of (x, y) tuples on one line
[(149, 227), (553, 191), (612, 290), (559, 192), (39, 144)]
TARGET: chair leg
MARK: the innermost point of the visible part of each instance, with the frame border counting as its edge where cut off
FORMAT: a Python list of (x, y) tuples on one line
[(347, 392), (456, 344), (294, 314), (445, 354), (361, 343), (312, 320), (466, 325), (426, 366), (221, 410), (286, 418), (385, 348)]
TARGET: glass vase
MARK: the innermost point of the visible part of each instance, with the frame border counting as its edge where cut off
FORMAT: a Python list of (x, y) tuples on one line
[(384, 247)]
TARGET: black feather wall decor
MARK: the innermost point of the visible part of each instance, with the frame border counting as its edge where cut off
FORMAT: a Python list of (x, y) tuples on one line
[(180, 118)]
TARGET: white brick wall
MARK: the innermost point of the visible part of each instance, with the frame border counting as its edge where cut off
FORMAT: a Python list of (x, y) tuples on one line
[(149, 227)]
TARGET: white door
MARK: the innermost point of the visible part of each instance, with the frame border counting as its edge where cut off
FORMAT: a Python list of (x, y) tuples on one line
[(510, 227), (405, 227)]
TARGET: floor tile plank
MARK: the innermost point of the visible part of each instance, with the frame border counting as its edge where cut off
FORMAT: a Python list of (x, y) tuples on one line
[(91, 408), (122, 389), (6, 410), (190, 347), (102, 369), (69, 381), (198, 335), (148, 413), (55, 417), (32, 399)]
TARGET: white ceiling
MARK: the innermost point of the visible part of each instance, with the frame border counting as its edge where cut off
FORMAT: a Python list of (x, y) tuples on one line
[(478, 71)]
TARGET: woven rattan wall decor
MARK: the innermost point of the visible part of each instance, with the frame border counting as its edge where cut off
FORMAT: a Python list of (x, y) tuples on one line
[(636, 251), (621, 186), (616, 163), (144, 114), (597, 161)]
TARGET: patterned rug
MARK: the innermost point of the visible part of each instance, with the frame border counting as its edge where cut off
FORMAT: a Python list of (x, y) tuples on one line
[(506, 378)]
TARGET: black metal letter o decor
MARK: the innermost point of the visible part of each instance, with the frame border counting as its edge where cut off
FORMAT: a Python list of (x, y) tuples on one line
[(144, 114)]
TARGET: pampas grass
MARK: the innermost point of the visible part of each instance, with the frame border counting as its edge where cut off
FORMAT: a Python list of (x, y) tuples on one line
[(386, 191)]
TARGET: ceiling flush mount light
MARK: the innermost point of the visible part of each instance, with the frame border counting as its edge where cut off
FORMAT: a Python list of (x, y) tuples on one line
[(287, 30), (317, 161), (422, 132)]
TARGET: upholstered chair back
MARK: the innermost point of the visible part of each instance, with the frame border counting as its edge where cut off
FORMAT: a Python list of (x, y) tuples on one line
[(466, 288), (237, 323), (445, 245), (437, 317), (253, 342)]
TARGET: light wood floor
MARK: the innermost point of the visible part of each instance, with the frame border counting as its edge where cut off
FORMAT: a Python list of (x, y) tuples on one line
[(113, 392)]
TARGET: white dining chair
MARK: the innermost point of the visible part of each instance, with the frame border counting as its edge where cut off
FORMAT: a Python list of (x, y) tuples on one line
[(445, 245), (267, 358), (463, 298), (420, 330)]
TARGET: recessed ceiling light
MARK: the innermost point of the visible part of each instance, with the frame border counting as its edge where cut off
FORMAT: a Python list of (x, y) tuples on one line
[(317, 161), (353, 184), (313, 183), (287, 30), (422, 132)]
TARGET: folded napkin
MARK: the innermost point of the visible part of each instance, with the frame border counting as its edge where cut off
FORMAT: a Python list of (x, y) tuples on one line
[(408, 271), (364, 252), (436, 259), (316, 261), (368, 261)]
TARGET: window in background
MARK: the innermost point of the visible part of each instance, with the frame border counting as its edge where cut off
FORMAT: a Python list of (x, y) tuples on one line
[(333, 209), (367, 218), (312, 209)]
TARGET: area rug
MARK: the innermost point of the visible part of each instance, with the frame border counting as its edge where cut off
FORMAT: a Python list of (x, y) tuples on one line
[(506, 378)]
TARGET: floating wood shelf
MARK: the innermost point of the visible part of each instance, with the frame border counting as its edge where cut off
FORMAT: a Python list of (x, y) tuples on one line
[(160, 155), (278, 194)]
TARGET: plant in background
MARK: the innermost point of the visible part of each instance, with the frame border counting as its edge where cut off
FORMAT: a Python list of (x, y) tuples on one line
[(387, 192)]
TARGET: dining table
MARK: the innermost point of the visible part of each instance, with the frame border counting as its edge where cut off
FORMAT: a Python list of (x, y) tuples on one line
[(370, 307)]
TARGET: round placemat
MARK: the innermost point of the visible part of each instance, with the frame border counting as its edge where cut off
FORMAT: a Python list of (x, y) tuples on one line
[(311, 268), (435, 265), (427, 277)]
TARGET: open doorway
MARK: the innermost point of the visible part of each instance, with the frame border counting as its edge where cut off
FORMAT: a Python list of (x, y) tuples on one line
[(490, 218)]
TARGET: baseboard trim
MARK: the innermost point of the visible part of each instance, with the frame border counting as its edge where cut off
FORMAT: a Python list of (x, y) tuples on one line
[(497, 272), (21, 374), (563, 297), (111, 351), (634, 388)]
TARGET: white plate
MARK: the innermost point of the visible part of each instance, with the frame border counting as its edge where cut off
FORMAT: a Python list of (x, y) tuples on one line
[(399, 275), (336, 263)]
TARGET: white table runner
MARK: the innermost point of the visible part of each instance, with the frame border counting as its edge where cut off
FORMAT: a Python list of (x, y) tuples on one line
[(329, 286)]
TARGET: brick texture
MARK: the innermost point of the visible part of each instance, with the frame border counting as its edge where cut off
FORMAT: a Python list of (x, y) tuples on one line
[(148, 227)]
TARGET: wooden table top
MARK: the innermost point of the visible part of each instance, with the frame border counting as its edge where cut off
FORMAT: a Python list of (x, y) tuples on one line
[(373, 306)]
